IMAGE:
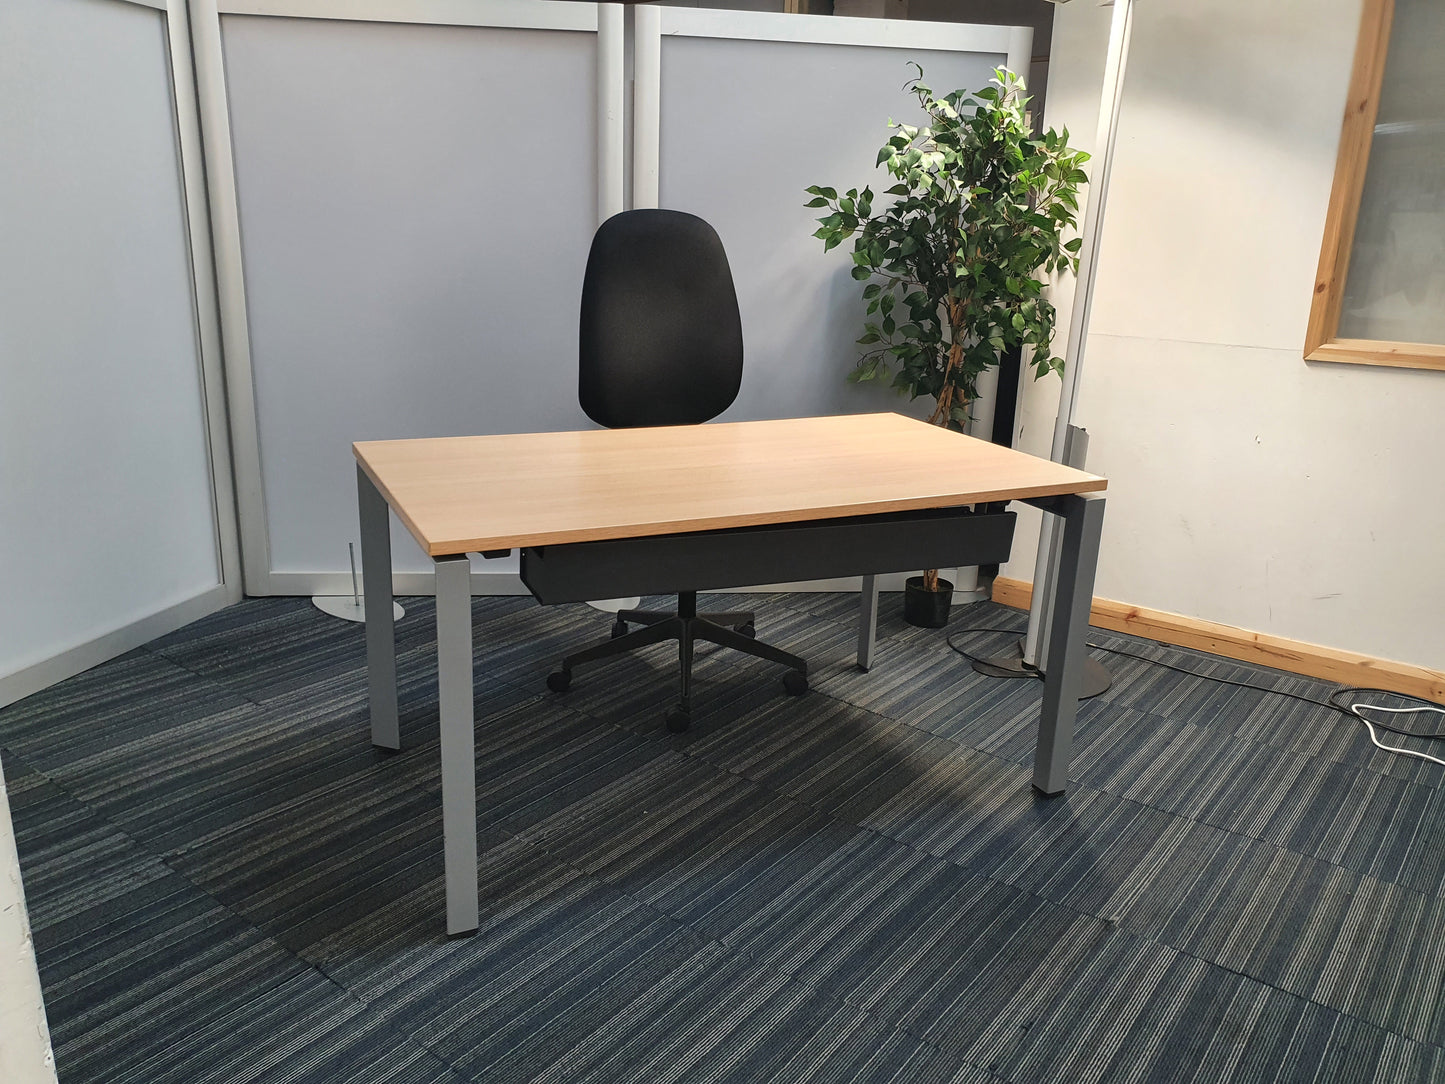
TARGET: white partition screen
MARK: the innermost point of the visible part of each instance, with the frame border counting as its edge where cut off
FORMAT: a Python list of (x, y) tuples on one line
[(751, 109), (115, 522), (415, 189)]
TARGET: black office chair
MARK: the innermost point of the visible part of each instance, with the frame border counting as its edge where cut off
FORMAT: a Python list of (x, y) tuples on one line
[(662, 344)]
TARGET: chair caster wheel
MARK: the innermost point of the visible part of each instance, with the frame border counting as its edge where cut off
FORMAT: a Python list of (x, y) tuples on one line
[(619, 628), (795, 682), (749, 630), (559, 681), (678, 719)]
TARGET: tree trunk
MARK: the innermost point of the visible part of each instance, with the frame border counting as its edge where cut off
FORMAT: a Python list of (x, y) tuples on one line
[(944, 411)]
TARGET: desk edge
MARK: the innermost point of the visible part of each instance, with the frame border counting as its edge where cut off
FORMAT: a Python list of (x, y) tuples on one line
[(447, 547)]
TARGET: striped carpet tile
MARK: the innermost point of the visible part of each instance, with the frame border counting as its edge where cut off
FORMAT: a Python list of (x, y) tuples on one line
[(275, 649), (305, 1029), (133, 955), (1258, 909), (229, 884), (1374, 822)]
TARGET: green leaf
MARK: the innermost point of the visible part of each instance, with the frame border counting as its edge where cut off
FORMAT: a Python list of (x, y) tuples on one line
[(978, 206), (816, 201)]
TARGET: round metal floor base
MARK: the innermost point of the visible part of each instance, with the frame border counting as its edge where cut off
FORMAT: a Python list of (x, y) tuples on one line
[(1096, 678), (349, 609), (612, 605)]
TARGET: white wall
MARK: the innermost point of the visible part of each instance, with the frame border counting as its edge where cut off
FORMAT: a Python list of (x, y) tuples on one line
[(107, 516), (1246, 486)]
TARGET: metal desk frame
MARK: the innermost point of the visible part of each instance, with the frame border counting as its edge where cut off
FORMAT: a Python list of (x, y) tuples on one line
[(1082, 517)]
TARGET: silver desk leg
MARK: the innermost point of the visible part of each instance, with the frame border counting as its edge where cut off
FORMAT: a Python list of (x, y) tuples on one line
[(1083, 518), (867, 621), (459, 769), (380, 636)]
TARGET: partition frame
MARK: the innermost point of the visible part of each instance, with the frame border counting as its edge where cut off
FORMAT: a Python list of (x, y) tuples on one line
[(605, 20), (653, 23), (186, 123), (204, 299)]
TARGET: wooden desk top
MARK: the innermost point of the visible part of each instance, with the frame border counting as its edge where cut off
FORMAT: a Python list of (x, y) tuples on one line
[(464, 494)]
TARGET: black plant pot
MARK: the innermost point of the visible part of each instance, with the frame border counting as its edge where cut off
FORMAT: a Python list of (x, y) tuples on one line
[(924, 608)]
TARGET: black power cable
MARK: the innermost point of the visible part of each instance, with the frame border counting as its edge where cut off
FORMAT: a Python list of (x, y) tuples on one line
[(1332, 704)]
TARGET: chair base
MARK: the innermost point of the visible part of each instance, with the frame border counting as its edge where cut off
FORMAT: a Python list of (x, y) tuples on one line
[(742, 620), (731, 630)]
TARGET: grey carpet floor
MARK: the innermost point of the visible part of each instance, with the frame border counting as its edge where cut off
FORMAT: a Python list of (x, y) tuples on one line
[(227, 883)]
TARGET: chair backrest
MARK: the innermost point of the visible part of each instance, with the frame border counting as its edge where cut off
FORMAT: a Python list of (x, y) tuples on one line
[(661, 336)]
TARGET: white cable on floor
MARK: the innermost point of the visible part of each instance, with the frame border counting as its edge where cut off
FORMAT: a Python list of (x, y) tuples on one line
[(1356, 710), (1334, 703)]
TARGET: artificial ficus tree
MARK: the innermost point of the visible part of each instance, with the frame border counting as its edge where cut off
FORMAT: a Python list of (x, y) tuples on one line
[(953, 252), (980, 209)]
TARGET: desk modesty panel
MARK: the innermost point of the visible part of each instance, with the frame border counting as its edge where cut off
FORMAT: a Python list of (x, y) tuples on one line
[(468, 494)]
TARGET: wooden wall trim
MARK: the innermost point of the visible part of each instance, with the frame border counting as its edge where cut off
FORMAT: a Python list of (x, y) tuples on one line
[(1356, 135), (1263, 649), (1371, 352), (1322, 333)]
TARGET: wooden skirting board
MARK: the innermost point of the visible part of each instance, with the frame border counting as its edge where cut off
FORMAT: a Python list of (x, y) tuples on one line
[(1311, 660)]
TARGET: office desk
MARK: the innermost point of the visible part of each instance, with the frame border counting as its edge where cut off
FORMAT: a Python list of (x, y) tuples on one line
[(715, 500)]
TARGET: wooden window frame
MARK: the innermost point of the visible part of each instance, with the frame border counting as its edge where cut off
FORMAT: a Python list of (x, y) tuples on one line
[(1322, 341)]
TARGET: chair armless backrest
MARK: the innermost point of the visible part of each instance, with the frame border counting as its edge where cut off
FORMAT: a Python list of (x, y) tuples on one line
[(661, 337)]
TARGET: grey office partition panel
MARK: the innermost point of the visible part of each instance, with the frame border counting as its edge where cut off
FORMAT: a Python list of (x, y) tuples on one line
[(746, 124), (415, 207), (109, 529)]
